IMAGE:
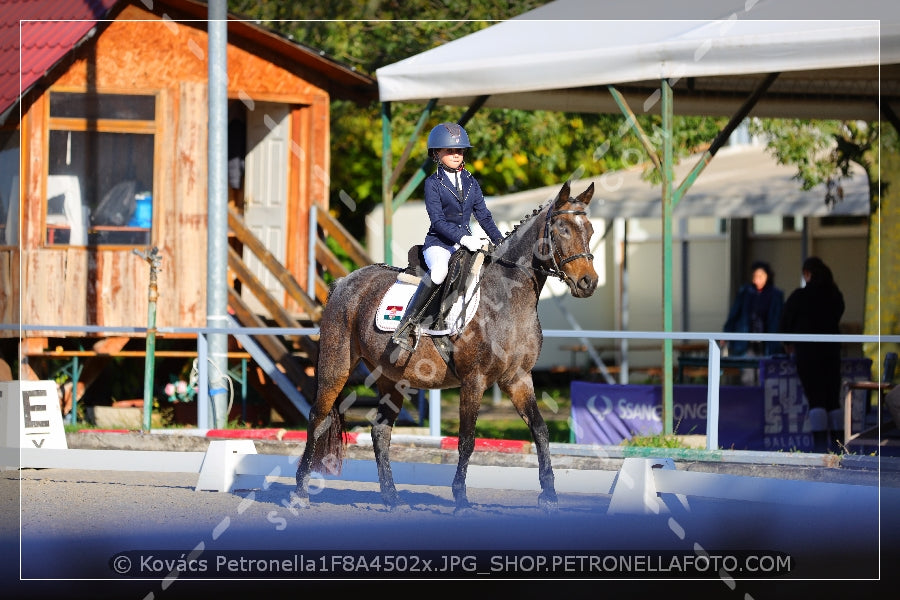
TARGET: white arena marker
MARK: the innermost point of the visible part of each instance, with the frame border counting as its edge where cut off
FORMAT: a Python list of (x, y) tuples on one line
[(31, 415), (218, 472)]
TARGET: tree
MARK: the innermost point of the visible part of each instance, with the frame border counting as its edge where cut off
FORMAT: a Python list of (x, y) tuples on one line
[(513, 150), (822, 152)]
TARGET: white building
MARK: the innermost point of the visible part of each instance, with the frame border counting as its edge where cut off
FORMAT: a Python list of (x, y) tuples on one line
[(743, 207)]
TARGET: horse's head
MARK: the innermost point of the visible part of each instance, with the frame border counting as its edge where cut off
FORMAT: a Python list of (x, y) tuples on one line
[(569, 234)]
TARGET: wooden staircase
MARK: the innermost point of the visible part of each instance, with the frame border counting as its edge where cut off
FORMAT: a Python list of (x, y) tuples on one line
[(286, 364)]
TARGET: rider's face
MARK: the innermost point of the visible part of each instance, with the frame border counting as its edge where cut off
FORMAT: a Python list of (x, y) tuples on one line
[(451, 158)]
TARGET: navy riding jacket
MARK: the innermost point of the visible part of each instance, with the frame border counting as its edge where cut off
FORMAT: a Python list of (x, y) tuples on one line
[(450, 215)]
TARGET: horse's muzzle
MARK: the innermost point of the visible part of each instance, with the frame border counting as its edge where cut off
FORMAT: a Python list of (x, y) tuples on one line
[(584, 286)]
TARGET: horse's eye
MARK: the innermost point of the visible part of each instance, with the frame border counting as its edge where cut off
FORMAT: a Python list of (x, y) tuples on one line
[(563, 230)]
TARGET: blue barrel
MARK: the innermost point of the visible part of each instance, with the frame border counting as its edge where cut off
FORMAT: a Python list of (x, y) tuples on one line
[(143, 211)]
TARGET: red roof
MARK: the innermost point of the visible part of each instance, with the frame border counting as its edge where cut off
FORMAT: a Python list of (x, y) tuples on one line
[(39, 33), (49, 29)]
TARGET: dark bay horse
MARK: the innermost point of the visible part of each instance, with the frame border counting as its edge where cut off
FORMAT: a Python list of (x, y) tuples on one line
[(499, 345)]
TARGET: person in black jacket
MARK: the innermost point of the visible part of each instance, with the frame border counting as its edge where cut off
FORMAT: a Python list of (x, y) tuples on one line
[(756, 309), (817, 308), (452, 197)]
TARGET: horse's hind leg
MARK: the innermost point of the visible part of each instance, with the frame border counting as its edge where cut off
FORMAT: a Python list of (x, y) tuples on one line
[(325, 424), (382, 428), (521, 392)]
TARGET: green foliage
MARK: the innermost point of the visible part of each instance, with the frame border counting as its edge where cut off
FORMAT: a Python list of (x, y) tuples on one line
[(823, 150), (654, 441), (513, 150)]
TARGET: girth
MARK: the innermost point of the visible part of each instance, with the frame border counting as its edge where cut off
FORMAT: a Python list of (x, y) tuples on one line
[(459, 277)]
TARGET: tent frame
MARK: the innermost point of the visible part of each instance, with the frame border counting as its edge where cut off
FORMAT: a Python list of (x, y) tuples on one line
[(671, 193)]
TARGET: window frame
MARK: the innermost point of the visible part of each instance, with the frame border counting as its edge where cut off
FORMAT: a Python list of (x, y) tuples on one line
[(15, 132), (102, 125)]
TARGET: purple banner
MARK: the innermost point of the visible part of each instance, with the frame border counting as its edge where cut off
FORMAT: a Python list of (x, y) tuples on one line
[(772, 416), (610, 414), (786, 409)]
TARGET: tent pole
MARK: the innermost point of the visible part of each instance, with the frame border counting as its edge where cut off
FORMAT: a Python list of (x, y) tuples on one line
[(404, 158), (387, 193), (632, 122), (666, 169), (723, 135), (667, 207)]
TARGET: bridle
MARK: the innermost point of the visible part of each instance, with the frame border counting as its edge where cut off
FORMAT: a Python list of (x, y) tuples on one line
[(555, 269)]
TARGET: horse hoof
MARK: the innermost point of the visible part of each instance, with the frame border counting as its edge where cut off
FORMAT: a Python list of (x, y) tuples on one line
[(550, 506), (401, 508), (465, 510), (300, 499)]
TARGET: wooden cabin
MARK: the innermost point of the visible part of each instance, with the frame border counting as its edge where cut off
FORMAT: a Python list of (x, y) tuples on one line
[(103, 155)]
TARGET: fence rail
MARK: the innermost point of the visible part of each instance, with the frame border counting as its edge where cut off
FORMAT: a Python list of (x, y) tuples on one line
[(712, 338)]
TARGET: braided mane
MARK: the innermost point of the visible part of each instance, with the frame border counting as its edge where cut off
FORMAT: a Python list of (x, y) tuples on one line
[(524, 220)]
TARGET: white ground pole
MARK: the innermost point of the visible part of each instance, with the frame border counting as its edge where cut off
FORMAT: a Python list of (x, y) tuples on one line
[(642, 486)]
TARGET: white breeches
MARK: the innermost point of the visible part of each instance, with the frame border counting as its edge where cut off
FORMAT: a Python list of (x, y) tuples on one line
[(437, 259)]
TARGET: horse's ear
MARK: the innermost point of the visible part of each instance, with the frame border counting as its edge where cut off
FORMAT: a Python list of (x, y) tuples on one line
[(587, 194), (563, 196)]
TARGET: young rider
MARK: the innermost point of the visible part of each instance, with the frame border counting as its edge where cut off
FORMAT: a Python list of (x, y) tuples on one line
[(452, 196)]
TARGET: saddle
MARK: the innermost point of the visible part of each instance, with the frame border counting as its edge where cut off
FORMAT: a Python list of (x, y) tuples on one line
[(460, 275), (456, 300)]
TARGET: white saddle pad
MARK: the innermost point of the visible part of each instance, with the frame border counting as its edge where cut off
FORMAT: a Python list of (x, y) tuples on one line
[(393, 306)]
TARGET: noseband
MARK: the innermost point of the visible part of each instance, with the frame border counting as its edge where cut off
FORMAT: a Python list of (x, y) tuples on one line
[(556, 269)]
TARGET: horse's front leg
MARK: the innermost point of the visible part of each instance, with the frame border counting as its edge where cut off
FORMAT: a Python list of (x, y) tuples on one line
[(521, 392), (469, 403), (382, 428)]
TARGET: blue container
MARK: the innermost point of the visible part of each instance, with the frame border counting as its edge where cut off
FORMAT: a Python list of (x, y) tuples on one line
[(143, 211)]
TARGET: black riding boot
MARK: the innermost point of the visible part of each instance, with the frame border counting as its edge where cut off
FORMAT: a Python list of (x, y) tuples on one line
[(415, 312)]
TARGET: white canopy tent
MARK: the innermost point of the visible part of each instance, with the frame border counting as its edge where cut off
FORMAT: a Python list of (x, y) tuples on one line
[(559, 57), (769, 58)]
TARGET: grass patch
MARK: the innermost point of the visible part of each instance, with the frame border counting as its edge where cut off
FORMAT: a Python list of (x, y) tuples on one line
[(497, 429), (658, 440)]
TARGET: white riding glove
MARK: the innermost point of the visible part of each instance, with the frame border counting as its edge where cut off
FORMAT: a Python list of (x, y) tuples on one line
[(471, 242)]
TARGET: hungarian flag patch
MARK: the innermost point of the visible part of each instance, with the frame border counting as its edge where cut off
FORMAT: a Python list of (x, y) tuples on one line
[(393, 313)]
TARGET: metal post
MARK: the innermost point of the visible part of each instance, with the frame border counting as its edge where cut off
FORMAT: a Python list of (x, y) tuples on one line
[(153, 259), (75, 372), (387, 192), (668, 174), (217, 205), (434, 413), (311, 251), (712, 397), (203, 381)]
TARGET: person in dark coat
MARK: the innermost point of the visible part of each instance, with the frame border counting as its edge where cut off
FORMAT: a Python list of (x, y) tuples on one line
[(452, 197), (756, 309), (816, 308)]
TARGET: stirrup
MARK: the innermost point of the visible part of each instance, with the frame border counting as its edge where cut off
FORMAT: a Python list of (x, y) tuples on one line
[(403, 339)]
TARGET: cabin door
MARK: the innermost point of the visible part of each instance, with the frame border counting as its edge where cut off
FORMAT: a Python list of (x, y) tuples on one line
[(265, 193)]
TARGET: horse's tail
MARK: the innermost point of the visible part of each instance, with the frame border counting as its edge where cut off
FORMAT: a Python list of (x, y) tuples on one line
[(328, 455)]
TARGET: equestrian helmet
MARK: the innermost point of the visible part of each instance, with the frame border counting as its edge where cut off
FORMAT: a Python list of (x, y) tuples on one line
[(448, 135)]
